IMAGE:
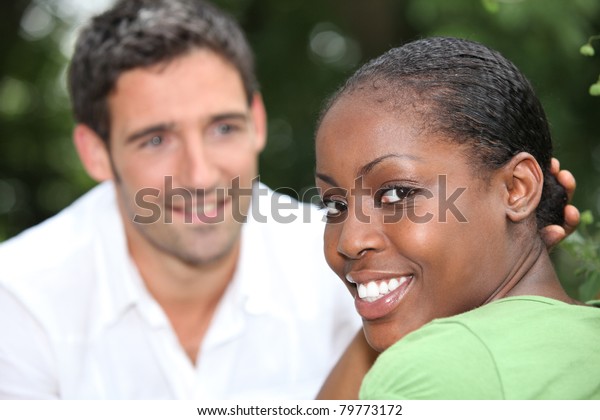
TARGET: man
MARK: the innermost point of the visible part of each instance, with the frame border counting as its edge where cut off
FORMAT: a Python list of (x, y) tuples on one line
[(151, 285)]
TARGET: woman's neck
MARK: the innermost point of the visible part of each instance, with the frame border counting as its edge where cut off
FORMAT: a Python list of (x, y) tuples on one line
[(534, 274)]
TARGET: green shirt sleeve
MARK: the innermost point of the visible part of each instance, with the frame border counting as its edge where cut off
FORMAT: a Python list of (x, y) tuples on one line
[(442, 360)]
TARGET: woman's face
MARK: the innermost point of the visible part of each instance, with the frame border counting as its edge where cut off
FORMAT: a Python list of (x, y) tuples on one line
[(411, 231)]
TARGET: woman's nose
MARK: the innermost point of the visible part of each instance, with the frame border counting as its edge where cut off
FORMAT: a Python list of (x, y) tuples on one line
[(360, 233)]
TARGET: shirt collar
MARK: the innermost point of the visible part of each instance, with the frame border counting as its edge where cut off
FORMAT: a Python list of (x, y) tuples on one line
[(255, 271), (119, 282)]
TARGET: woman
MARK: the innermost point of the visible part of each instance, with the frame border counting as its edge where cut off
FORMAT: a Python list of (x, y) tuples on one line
[(434, 164)]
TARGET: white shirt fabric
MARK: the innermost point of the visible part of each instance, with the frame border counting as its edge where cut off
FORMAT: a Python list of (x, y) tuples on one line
[(76, 321)]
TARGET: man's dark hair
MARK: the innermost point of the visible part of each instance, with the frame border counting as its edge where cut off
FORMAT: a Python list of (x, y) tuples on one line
[(471, 94), (142, 33)]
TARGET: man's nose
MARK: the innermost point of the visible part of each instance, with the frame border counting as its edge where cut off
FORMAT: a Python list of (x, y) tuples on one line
[(198, 168)]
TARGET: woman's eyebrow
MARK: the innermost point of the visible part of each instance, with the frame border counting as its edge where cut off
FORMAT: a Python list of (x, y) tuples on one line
[(368, 167), (326, 178)]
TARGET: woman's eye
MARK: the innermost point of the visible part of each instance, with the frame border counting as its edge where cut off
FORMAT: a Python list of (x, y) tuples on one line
[(393, 195), (333, 208)]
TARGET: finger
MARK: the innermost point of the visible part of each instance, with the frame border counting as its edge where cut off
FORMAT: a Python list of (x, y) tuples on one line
[(554, 166), (572, 218), (567, 180), (553, 234)]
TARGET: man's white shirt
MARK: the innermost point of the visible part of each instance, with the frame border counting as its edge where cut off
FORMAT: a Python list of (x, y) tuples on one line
[(77, 322)]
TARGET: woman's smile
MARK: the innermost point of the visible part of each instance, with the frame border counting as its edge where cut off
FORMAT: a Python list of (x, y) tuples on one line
[(377, 295)]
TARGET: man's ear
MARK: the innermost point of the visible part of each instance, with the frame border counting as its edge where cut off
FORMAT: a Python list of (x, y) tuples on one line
[(259, 117), (524, 181), (93, 153)]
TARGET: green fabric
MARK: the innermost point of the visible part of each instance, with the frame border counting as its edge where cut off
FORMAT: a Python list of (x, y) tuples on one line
[(524, 347)]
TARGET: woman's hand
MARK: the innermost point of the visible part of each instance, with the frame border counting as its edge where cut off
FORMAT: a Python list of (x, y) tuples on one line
[(553, 234)]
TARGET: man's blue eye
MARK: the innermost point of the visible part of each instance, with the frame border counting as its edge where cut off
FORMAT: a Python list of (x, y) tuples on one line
[(155, 141), (225, 128)]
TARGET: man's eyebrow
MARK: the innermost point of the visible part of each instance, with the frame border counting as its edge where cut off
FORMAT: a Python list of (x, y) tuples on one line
[(229, 115), (365, 169), (170, 126), (149, 130)]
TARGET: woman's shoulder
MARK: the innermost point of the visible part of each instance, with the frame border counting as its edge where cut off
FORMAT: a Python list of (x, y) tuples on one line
[(518, 322), (537, 311), (442, 360), (480, 353)]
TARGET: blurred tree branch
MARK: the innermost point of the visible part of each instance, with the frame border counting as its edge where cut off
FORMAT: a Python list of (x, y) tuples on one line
[(588, 50)]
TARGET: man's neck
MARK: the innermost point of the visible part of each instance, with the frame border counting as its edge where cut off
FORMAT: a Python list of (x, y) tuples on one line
[(188, 294)]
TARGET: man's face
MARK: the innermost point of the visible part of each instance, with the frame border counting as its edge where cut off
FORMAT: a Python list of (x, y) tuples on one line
[(182, 133)]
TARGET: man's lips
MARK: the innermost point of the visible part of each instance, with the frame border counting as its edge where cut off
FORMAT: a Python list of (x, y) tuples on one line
[(206, 212)]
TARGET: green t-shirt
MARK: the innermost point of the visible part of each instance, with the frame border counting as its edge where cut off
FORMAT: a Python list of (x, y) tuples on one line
[(525, 347)]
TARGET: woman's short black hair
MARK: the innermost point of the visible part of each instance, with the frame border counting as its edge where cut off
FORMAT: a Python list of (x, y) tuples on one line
[(474, 96)]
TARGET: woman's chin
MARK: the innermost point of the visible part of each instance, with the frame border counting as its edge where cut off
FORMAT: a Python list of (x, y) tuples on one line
[(379, 337)]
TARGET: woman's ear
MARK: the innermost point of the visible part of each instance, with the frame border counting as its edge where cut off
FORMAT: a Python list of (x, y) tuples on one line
[(524, 181), (93, 153)]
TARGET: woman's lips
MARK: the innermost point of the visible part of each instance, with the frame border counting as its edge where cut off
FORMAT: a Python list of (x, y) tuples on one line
[(378, 298)]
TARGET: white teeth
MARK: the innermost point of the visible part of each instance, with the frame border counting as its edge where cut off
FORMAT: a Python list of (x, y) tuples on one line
[(383, 288), (372, 289), (207, 208), (362, 291), (376, 289)]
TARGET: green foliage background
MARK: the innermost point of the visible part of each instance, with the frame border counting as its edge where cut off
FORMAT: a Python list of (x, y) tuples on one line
[(304, 50)]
